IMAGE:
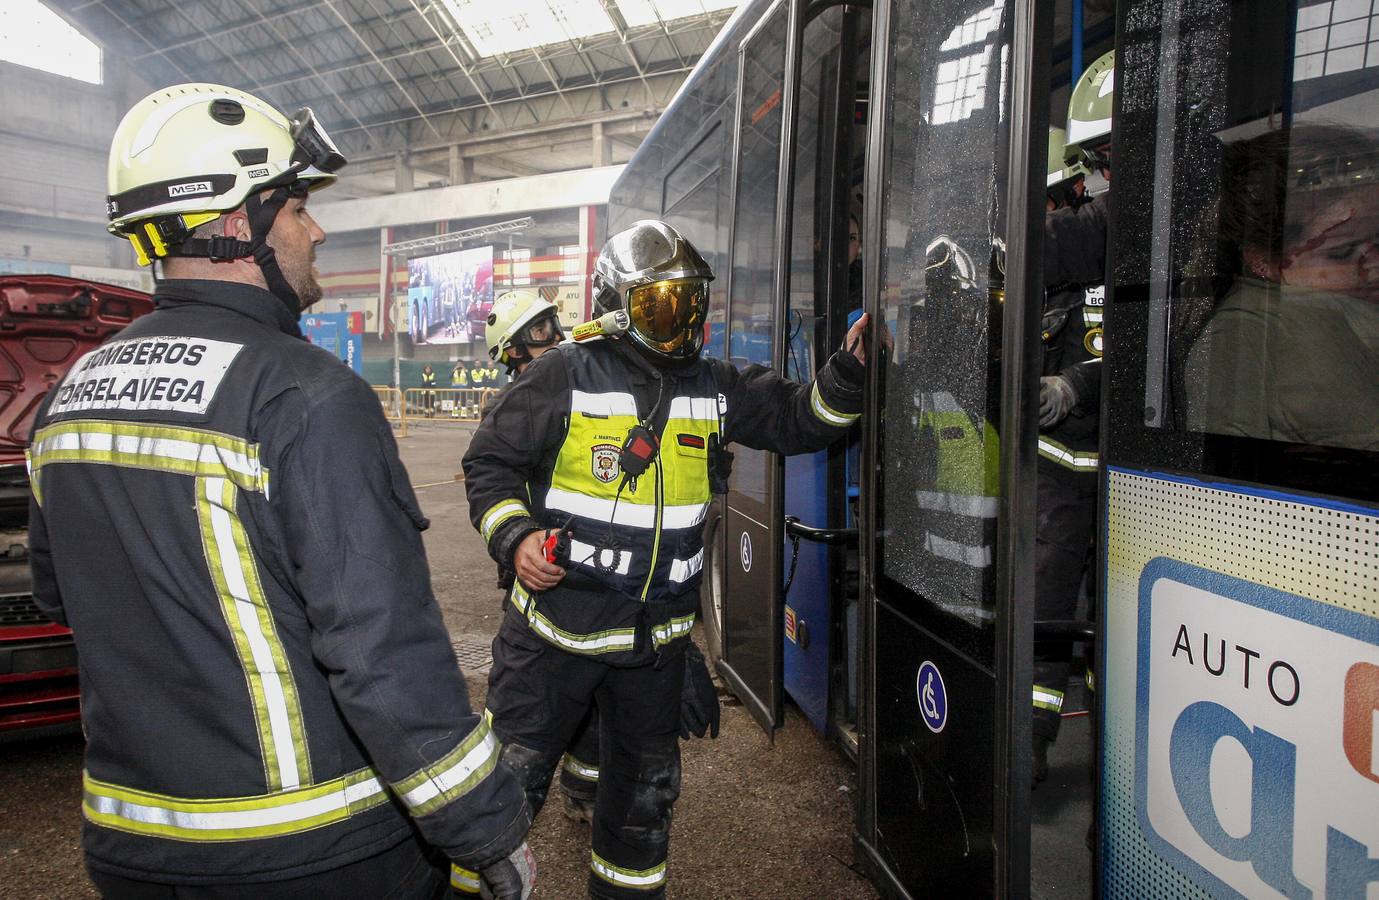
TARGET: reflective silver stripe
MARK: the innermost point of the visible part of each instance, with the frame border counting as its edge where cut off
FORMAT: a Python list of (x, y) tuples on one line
[(499, 514), (1092, 316), (234, 819), (580, 770), (669, 631), (977, 556), (827, 413), (962, 504), (602, 559), (473, 763), (1048, 699), (644, 879), (700, 409), (602, 642), (1072, 459), (634, 515), (684, 569), (609, 404), (463, 880), (225, 553)]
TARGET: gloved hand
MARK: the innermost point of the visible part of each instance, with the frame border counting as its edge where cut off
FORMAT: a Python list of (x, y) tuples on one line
[(510, 878), (699, 710), (1056, 399)]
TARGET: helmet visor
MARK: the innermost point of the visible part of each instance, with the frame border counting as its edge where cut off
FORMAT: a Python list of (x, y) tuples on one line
[(314, 146), (666, 314), (541, 332)]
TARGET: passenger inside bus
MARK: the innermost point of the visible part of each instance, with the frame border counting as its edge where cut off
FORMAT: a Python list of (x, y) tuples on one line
[(1291, 348)]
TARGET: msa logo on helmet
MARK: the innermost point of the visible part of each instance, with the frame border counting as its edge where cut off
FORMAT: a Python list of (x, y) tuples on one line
[(190, 189), (258, 173)]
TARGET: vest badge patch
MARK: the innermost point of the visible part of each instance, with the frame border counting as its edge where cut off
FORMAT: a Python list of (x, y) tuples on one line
[(604, 462)]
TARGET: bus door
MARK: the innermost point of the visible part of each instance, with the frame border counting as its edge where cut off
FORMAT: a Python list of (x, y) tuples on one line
[(821, 537), (959, 90), (748, 545), (1239, 670)]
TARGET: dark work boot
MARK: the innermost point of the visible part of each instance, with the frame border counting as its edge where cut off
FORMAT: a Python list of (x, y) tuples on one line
[(1039, 760), (578, 809)]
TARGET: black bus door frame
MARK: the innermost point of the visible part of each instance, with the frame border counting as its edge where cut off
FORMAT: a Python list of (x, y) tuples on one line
[(1012, 719)]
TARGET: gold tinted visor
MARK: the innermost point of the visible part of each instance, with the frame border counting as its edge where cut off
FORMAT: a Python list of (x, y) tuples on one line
[(665, 314)]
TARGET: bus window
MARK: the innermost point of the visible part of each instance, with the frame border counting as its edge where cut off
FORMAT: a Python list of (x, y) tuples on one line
[(691, 197), (941, 285)]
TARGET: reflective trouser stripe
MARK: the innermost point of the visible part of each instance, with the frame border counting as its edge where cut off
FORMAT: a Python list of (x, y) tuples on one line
[(610, 641), (454, 775), (682, 570), (581, 770), (1077, 460), (978, 556), (826, 413), (1048, 698), (499, 513), (234, 572), (241, 818), (182, 451), (600, 558), (626, 510), (639, 879), (463, 880)]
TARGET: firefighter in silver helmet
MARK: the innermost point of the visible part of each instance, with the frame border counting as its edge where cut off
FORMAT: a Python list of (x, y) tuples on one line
[(271, 703), (591, 480)]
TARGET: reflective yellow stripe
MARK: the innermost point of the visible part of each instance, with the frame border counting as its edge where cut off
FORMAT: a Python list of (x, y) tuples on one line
[(233, 819), (610, 641), (580, 770), (453, 776), (463, 880), (272, 691), (33, 482), (1077, 460), (499, 513), (666, 632), (163, 448), (1048, 698), (827, 413), (638, 879)]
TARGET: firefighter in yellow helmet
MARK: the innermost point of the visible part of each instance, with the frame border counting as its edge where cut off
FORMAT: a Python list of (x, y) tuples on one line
[(270, 699), (591, 479)]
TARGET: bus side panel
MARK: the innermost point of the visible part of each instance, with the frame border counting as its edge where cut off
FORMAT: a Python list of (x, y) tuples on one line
[(808, 631)]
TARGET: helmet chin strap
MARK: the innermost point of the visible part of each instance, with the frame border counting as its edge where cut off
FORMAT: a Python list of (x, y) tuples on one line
[(262, 213)]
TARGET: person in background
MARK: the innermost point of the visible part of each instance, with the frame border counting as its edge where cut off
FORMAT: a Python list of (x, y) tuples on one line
[(459, 381), (428, 396), (271, 703)]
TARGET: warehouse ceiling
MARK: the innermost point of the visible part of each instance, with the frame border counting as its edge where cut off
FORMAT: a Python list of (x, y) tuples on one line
[(506, 80)]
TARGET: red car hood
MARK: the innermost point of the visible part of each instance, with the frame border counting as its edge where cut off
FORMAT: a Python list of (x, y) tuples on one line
[(46, 323)]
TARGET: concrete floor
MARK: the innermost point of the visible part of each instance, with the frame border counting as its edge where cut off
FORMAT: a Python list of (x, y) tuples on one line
[(753, 821)]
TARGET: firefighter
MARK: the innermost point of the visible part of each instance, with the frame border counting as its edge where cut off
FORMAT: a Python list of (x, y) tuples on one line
[(428, 383), (521, 327), (459, 381), (602, 522), (478, 382), (1069, 388), (219, 513)]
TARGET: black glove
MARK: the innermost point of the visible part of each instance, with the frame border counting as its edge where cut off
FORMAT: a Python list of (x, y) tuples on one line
[(699, 701), (510, 878)]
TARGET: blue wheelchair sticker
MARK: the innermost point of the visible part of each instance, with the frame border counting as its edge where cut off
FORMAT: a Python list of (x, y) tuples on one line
[(932, 695)]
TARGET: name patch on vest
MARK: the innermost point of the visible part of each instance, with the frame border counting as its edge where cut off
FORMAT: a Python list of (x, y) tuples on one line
[(604, 462), (174, 374)]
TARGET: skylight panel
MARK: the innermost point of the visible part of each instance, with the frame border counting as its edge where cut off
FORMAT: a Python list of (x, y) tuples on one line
[(512, 25), (645, 12), (33, 35)]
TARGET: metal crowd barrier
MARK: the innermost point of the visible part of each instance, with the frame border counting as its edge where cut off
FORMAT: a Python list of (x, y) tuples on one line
[(391, 401), (447, 404)]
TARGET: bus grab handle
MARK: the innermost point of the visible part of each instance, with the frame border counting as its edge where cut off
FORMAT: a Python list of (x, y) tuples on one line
[(841, 537)]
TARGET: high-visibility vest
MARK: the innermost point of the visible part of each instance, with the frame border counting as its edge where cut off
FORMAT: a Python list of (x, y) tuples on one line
[(459, 378), (646, 541)]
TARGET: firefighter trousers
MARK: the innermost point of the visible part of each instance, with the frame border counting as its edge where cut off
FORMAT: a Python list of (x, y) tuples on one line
[(579, 773), (1065, 516), (539, 695)]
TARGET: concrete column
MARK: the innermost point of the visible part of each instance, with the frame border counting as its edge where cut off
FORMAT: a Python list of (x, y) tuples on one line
[(461, 167), (404, 179), (589, 247), (603, 148)]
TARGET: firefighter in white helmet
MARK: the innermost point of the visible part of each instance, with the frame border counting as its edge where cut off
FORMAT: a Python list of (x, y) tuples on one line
[(270, 698)]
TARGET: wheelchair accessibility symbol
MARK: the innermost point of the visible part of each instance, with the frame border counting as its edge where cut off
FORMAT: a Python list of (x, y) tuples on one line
[(746, 550), (933, 697)]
